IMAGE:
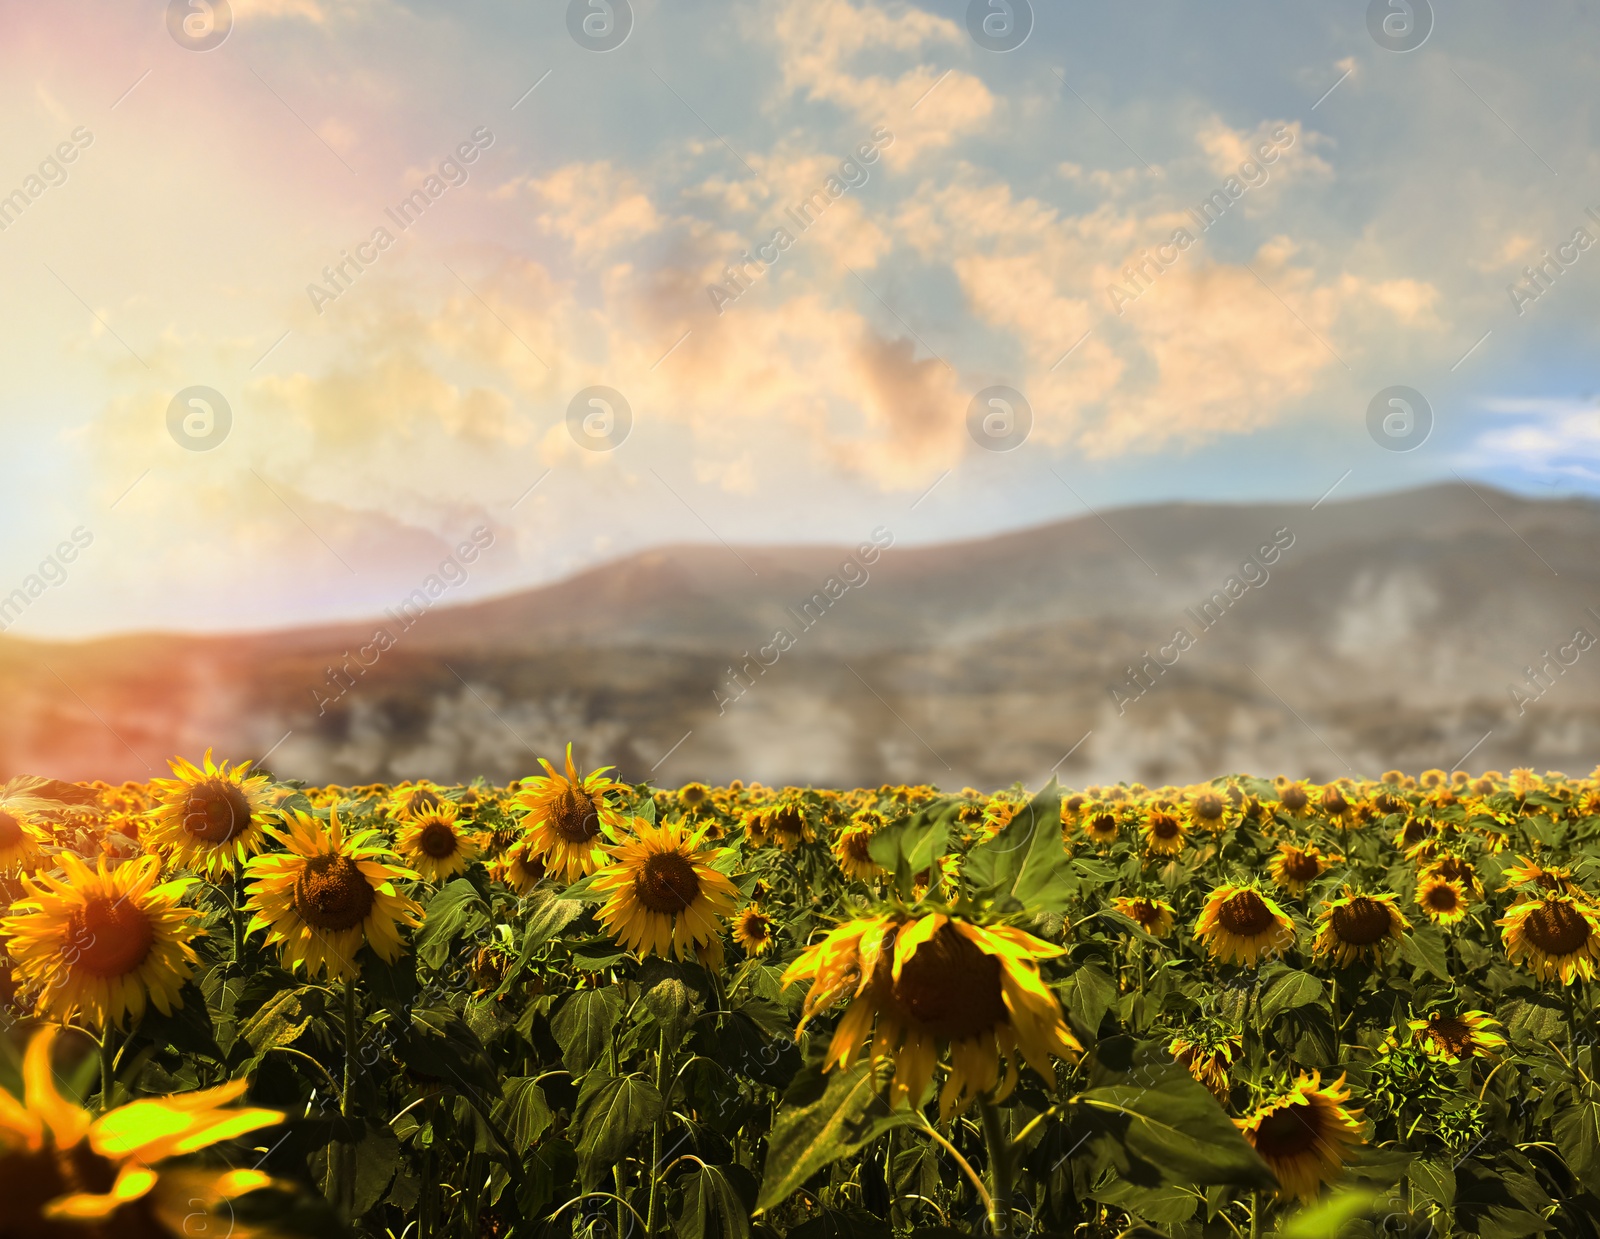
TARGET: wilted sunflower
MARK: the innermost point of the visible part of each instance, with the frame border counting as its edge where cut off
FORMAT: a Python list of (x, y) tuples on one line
[(850, 849), (329, 894), (1454, 1037), (924, 982), (64, 1174), (519, 867), (1209, 811), (209, 816), (1305, 1135), (22, 843), (1444, 901), (1164, 833), (1154, 916), (665, 895), (435, 844), (1241, 924), (752, 930), (566, 815), (1557, 936), (102, 943), (1295, 868), (1209, 1059), (1356, 927)]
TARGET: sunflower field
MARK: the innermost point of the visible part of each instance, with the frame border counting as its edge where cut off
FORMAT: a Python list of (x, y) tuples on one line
[(235, 1006)]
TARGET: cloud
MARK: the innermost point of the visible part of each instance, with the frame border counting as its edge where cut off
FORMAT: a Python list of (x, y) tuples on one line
[(1553, 437), (598, 208)]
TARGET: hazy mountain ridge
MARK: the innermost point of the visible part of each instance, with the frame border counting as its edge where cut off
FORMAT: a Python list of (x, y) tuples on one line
[(1387, 631)]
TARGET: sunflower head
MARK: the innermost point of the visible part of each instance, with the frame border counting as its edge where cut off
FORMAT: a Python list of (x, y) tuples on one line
[(783, 823), (209, 816), (434, 842), (664, 894), (1469, 1034), (694, 798), (1101, 822), (22, 842), (852, 847), (519, 867), (1154, 916), (1241, 924), (1557, 936), (1356, 926), (1209, 810), (567, 816), (1208, 1055), (754, 931), (1444, 901), (1305, 1134), (410, 799), (1294, 868), (1164, 833), (1295, 798)]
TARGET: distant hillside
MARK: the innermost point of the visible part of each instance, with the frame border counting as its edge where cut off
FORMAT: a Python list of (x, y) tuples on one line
[(1384, 631)]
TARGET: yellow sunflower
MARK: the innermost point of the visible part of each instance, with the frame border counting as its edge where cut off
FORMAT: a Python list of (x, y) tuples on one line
[(926, 982), (1209, 1059), (784, 824), (694, 797), (850, 848), (1557, 936), (1444, 901), (1295, 799), (1100, 823), (64, 1174), (328, 895), (1454, 1037), (1240, 924), (1305, 1135), (1209, 810), (435, 844), (1154, 916), (566, 815), (209, 816), (22, 843), (409, 799), (1458, 870), (1164, 833), (1338, 804), (1555, 878), (519, 867), (753, 931), (1356, 927), (664, 895), (102, 943), (1295, 868)]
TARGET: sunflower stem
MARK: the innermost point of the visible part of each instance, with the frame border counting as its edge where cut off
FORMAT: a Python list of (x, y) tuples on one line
[(1000, 1166), (238, 911), (655, 1139), (344, 1168), (108, 1070), (1255, 1213)]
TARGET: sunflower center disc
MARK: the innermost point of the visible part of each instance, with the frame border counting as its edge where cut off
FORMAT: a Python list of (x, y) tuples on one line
[(667, 882), (216, 811), (1245, 914), (953, 987), (1451, 1033), (109, 939), (422, 800), (1299, 867), (10, 830), (1103, 824), (1556, 928), (573, 816), (858, 846), (1295, 799), (438, 840), (1288, 1132), (789, 821), (1442, 899), (1208, 805), (332, 893), (1334, 803), (1361, 922), (1163, 826)]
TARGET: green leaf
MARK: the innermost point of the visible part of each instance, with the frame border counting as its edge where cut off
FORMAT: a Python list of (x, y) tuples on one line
[(1424, 947), (715, 1202), (911, 845), (1288, 991), (1577, 1135), (279, 1022), (455, 909), (377, 1158), (1026, 865), (613, 1112), (583, 1027), (671, 1003), (522, 1112), (1433, 1182), (1537, 1020), (1162, 1205), (551, 916), (1327, 1219), (1088, 994), (823, 1117)]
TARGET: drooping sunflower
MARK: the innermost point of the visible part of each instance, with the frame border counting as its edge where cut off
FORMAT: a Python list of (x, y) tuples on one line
[(519, 867), (22, 843), (435, 844), (1209, 1059), (329, 894), (1454, 1037), (209, 816), (1546, 877), (784, 823), (1164, 833), (566, 816), (850, 848), (753, 931), (1305, 1134), (64, 1174), (918, 984), (1356, 927), (102, 943), (1295, 868), (1444, 901), (1154, 916), (1240, 924), (1557, 936), (665, 896)]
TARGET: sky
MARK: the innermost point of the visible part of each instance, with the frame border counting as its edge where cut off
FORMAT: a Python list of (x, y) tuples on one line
[(183, 179)]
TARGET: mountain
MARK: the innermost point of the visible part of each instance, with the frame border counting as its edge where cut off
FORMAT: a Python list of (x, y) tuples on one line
[(1449, 625)]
